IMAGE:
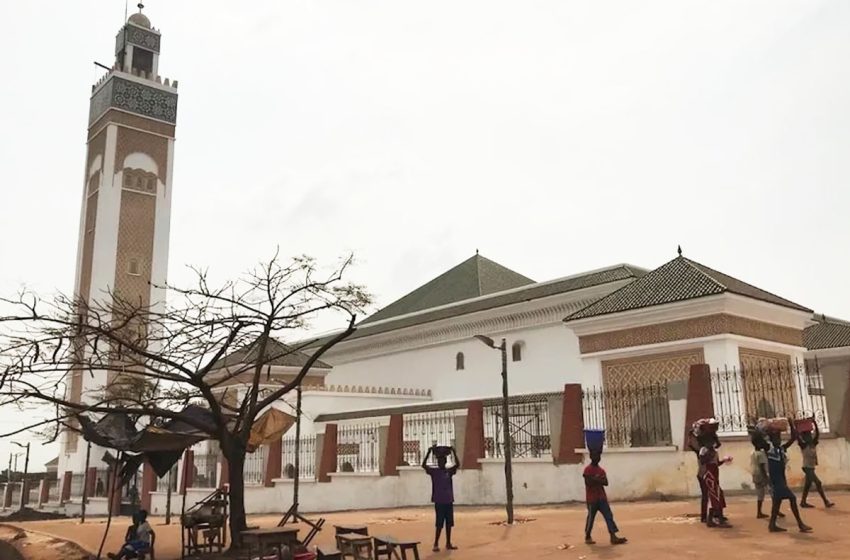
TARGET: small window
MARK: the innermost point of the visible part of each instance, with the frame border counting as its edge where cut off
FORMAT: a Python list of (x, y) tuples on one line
[(459, 361), (133, 267), (128, 179), (516, 351)]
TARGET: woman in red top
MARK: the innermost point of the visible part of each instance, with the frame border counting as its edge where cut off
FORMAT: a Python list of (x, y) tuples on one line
[(595, 481)]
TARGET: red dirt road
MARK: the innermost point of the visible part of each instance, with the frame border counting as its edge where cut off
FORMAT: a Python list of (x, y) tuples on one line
[(655, 530)]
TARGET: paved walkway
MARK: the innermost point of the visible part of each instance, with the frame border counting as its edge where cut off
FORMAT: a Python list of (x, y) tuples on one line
[(656, 530)]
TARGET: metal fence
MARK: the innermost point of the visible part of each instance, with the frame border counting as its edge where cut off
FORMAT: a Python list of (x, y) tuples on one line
[(254, 469), (162, 483), (78, 481), (205, 470), (357, 448), (53, 491), (306, 457), (425, 429), (637, 416), (528, 424), (743, 395)]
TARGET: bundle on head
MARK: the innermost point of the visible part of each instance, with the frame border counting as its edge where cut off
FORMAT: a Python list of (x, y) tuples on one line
[(776, 425), (804, 425), (704, 427)]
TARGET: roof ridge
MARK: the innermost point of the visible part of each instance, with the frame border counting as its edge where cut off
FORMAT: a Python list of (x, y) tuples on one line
[(478, 258), (768, 292), (699, 267)]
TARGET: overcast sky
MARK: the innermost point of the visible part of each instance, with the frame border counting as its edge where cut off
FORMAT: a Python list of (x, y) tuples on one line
[(555, 136)]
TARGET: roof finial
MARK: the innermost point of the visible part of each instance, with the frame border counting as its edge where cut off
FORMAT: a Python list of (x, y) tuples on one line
[(679, 249), (141, 7), (476, 251)]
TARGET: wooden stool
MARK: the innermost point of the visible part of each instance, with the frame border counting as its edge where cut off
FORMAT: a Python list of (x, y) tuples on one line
[(325, 553), (390, 547), (358, 546), (356, 529)]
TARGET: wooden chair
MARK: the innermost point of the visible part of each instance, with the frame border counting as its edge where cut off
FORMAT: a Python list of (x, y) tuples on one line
[(327, 553), (355, 545), (315, 527)]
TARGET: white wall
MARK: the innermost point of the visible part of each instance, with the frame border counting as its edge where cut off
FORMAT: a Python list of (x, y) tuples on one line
[(633, 474), (550, 359)]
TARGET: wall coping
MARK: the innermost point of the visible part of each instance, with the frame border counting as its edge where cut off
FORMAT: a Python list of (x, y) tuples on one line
[(292, 480), (500, 461), (609, 451), (355, 474)]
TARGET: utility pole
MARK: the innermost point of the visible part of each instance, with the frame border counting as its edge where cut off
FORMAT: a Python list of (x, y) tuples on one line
[(506, 425), (24, 489), (168, 499), (506, 433), (85, 485), (297, 448)]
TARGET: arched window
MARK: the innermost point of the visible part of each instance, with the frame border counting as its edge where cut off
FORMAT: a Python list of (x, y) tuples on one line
[(459, 361), (516, 351)]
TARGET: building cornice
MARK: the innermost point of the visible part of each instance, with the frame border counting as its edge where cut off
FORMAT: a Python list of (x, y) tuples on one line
[(528, 314)]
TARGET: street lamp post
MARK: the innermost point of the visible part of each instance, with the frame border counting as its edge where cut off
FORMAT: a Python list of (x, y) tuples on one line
[(24, 492), (506, 428)]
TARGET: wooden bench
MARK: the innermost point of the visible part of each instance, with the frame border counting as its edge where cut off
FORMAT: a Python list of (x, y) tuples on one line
[(391, 547), (355, 545)]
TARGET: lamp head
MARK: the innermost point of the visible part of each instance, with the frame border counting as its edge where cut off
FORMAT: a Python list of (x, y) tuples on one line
[(486, 340)]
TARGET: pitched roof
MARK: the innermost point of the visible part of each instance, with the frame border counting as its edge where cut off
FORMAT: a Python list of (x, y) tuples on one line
[(526, 293), (474, 277), (280, 354), (678, 280), (827, 333)]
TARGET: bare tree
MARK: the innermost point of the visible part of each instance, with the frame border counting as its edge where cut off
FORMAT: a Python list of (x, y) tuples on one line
[(181, 351)]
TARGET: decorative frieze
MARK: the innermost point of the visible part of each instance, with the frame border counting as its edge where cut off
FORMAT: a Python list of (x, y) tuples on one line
[(130, 34), (686, 329), (135, 97)]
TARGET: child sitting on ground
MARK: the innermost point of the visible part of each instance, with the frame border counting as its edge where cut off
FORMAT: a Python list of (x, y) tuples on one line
[(138, 538)]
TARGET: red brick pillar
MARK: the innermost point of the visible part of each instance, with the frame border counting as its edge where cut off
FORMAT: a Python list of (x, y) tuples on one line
[(395, 446), (66, 487), (700, 402), (43, 492), (187, 478), (473, 442), (273, 463), (327, 462), (91, 481), (148, 485), (224, 477), (572, 426)]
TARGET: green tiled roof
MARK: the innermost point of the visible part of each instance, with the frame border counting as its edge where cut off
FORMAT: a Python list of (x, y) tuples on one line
[(474, 277), (678, 280), (827, 333), (277, 354)]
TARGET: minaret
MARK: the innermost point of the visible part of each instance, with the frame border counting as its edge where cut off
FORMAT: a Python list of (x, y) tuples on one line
[(126, 206)]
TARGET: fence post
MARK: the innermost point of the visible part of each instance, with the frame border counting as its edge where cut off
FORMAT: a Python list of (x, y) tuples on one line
[(572, 426), (187, 473), (677, 401), (473, 439), (328, 449), (700, 402), (274, 458), (7, 495), (148, 485), (43, 492), (394, 453), (223, 472), (91, 481), (65, 496)]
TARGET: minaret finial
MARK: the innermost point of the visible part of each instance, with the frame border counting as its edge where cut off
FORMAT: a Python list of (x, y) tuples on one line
[(476, 251), (141, 7), (679, 249)]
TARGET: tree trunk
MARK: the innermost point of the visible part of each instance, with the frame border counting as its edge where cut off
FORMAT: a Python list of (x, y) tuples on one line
[(236, 463)]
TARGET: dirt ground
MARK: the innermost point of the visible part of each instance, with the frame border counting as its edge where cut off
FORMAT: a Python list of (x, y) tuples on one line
[(655, 530)]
